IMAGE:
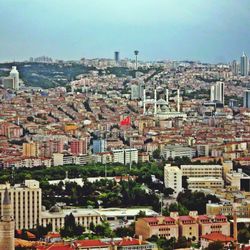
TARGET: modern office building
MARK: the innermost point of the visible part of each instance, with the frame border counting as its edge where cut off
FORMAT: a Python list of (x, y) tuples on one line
[(244, 65), (99, 146), (173, 178), (117, 57), (26, 201), (246, 100), (217, 92)]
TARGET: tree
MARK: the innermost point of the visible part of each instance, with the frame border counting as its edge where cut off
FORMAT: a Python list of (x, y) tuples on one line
[(156, 154), (70, 228), (244, 235), (141, 214), (217, 245)]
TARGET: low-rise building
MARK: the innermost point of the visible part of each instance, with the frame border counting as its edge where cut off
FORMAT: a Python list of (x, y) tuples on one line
[(199, 183), (202, 170)]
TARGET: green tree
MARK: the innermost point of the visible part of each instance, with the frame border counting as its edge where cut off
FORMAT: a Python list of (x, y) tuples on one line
[(217, 245), (156, 154)]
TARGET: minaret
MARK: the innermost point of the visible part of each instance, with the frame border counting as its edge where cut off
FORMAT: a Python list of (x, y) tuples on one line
[(178, 100), (144, 101), (7, 227), (167, 95), (235, 229), (155, 100)]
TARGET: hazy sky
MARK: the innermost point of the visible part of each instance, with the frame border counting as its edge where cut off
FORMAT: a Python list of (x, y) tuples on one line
[(206, 30)]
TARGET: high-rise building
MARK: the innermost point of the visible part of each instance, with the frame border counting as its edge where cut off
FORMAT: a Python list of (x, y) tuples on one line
[(78, 147), (244, 65), (7, 223), (246, 102), (31, 149), (235, 68), (173, 178), (99, 146), (26, 201), (117, 57), (135, 92), (15, 75), (217, 92)]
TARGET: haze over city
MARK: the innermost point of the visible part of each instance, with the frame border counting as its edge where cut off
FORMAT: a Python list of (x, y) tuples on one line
[(209, 31)]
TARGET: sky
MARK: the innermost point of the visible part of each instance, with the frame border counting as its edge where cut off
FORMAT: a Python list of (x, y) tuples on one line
[(206, 30)]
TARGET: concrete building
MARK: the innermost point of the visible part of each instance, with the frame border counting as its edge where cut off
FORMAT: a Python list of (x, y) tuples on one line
[(202, 170), (239, 180), (15, 75), (199, 183), (244, 65), (8, 83), (172, 151), (135, 91), (217, 92), (173, 178), (246, 100), (7, 224), (31, 149), (79, 147), (125, 156), (26, 200)]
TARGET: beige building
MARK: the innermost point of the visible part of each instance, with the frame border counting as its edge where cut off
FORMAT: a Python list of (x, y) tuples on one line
[(242, 209), (26, 200), (202, 170), (198, 183), (31, 149), (192, 226)]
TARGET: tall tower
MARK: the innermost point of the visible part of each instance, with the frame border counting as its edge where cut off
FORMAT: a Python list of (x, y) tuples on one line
[(15, 75), (244, 65), (7, 224), (246, 99), (136, 52), (117, 57)]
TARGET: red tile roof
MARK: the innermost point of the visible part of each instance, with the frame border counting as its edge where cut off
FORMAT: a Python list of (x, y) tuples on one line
[(90, 243), (217, 237)]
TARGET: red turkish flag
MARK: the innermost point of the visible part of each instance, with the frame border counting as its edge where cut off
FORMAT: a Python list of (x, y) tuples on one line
[(126, 121)]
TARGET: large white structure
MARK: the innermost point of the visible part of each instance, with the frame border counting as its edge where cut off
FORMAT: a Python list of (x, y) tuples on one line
[(15, 75), (26, 200), (246, 102), (161, 108), (217, 92), (244, 65), (172, 151), (125, 156), (173, 178)]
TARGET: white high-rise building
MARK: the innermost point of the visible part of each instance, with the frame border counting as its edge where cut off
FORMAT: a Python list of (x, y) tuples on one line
[(125, 156), (246, 102), (135, 92), (15, 75), (173, 178), (244, 65), (217, 92)]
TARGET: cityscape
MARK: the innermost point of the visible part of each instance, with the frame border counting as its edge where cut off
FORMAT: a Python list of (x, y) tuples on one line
[(124, 152)]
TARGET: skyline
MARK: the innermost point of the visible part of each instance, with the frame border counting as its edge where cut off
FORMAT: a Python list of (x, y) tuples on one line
[(160, 30)]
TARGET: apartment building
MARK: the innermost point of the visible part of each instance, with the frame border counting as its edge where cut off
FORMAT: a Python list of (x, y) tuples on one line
[(172, 151), (239, 180), (173, 178), (125, 156), (202, 170), (26, 201)]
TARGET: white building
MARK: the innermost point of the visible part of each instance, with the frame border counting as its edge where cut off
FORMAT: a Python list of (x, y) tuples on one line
[(217, 92), (244, 65), (173, 178), (125, 156), (239, 180), (172, 151), (26, 201)]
